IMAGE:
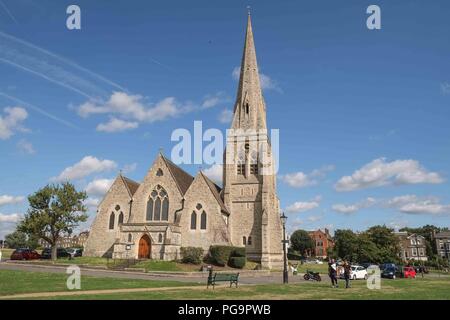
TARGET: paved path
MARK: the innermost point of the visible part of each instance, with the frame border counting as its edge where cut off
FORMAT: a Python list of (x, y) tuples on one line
[(95, 292), (274, 277)]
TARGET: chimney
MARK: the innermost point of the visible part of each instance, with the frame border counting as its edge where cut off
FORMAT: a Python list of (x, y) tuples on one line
[(327, 232)]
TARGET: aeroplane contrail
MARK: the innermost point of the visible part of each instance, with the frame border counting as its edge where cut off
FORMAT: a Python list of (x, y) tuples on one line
[(8, 12), (38, 109)]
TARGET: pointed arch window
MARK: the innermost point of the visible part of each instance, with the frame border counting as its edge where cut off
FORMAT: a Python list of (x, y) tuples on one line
[(241, 164), (130, 237), (247, 108), (254, 163), (244, 240), (158, 205), (249, 240), (203, 221), (120, 221), (160, 238), (193, 220), (112, 219)]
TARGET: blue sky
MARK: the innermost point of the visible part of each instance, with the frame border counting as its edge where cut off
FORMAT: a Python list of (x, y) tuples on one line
[(363, 114)]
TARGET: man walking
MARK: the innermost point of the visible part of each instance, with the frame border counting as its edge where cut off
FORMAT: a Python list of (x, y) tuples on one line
[(332, 272), (347, 272)]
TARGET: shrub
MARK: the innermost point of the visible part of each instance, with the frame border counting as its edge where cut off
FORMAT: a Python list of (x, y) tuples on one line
[(237, 262), (220, 254), (192, 255), (238, 252)]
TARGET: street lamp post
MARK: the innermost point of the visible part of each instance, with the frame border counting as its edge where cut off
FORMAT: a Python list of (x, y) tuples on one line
[(284, 241)]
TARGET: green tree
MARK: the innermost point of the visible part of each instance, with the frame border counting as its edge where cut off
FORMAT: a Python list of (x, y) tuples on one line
[(53, 211), (19, 239), (16, 240), (386, 242), (345, 244), (301, 241)]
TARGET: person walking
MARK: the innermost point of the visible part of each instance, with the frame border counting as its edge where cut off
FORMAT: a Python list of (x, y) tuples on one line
[(332, 273), (347, 272)]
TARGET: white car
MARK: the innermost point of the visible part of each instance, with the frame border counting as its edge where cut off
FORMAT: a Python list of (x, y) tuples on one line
[(358, 272)]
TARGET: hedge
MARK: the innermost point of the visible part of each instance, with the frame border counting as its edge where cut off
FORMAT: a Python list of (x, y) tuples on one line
[(237, 262), (192, 255), (238, 252), (220, 254)]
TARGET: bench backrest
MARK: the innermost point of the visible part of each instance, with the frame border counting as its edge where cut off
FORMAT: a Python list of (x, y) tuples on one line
[(226, 276)]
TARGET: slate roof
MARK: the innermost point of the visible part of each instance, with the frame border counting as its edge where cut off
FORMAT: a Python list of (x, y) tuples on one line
[(182, 178)]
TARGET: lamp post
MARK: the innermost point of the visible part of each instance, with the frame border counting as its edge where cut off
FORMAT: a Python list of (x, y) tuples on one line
[(284, 241)]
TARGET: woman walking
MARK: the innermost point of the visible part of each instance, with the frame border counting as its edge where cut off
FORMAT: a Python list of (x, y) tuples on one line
[(332, 273)]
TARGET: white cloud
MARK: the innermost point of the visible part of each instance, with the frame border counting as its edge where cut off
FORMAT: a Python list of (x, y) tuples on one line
[(445, 88), (211, 101), (301, 206), (412, 204), (92, 202), (99, 186), (214, 173), (133, 107), (353, 208), (11, 122), (300, 179), (85, 167), (26, 147), (116, 125), (226, 116), (128, 168), (380, 173), (7, 200), (267, 83), (10, 218)]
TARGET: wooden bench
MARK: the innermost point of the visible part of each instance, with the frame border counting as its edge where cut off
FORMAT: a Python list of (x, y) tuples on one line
[(233, 278)]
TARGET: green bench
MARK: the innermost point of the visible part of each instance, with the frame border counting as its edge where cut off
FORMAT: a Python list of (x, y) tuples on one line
[(233, 278)]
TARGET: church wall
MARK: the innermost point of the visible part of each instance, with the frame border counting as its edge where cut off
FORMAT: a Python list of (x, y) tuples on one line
[(101, 239), (216, 228)]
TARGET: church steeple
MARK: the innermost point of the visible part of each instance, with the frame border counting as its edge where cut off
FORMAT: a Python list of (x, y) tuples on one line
[(249, 110)]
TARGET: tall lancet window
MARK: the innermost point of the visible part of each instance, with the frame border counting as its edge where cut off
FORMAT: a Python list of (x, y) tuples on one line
[(254, 163), (241, 164), (158, 205)]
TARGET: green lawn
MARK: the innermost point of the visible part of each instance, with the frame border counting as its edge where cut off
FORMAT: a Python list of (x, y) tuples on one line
[(419, 289), (15, 282), (6, 253)]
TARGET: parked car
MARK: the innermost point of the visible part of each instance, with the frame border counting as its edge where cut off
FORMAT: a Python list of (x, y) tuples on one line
[(357, 272), (60, 253), (75, 252), (409, 272), (25, 254), (389, 272), (387, 265)]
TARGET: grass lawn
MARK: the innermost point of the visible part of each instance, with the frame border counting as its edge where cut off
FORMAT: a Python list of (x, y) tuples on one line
[(6, 253), (420, 289), (15, 282)]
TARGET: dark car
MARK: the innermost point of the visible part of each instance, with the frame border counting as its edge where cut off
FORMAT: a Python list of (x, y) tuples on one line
[(60, 253), (25, 254), (387, 265), (390, 273), (75, 252)]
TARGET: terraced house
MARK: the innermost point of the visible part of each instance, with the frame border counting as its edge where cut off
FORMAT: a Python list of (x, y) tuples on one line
[(171, 209)]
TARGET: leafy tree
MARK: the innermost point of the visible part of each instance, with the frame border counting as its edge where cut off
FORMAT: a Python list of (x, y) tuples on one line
[(16, 240), (301, 241), (386, 242), (54, 210), (345, 244)]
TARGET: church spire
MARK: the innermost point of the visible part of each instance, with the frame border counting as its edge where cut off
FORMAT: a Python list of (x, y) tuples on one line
[(249, 110)]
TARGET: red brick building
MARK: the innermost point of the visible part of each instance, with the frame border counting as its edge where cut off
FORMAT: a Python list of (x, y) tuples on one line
[(323, 241)]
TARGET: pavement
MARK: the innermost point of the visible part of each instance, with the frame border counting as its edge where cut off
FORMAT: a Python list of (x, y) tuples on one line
[(272, 278)]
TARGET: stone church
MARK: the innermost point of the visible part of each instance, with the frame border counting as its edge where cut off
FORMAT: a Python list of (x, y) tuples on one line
[(171, 209)]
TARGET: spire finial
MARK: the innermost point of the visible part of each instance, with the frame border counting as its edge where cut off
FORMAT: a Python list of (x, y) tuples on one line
[(161, 150), (248, 10)]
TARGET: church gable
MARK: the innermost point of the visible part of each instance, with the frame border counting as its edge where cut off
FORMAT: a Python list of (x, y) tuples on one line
[(160, 194), (113, 211)]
